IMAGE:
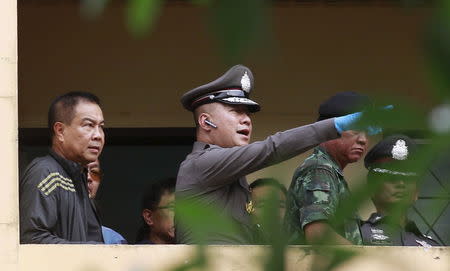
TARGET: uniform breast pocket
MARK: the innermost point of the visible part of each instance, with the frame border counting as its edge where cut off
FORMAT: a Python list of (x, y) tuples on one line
[(317, 193)]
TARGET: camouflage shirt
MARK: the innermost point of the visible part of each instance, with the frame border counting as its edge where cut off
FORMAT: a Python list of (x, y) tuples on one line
[(317, 189)]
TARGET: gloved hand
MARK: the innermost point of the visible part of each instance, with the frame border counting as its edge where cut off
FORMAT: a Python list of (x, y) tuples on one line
[(348, 122)]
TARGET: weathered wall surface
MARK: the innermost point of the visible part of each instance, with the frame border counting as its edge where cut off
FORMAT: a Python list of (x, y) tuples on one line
[(245, 258), (9, 235)]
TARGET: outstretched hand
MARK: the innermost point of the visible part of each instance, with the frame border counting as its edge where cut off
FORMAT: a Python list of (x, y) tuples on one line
[(348, 122)]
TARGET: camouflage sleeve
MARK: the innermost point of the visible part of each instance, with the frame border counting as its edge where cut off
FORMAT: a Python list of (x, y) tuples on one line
[(320, 196)]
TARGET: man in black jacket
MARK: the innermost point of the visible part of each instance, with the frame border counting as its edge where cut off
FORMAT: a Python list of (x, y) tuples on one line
[(54, 202)]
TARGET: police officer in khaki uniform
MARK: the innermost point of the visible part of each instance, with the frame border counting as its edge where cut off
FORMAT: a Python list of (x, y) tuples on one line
[(395, 180), (213, 174)]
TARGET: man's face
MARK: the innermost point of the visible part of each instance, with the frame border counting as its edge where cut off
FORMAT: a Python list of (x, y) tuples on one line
[(163, 216), (396, 190), (351, 146), (83, 138), (234, 126), (262, 196), (93, 178)]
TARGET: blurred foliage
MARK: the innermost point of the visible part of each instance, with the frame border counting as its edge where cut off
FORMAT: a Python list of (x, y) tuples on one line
[(437, 44), (239, 26), (242, 24), (142, 15)]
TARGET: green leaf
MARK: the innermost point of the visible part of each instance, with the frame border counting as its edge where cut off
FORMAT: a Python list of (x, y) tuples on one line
[(142, 15), (202, 219), (202, 2), (240, 26)]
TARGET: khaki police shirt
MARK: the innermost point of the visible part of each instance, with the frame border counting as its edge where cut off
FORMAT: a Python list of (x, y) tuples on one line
[(215, 176)]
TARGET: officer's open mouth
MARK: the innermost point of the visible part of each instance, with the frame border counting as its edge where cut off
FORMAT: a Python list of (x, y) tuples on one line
[(245, 132)]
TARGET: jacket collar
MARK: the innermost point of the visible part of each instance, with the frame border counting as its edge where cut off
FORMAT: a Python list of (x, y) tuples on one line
[(199, 146), (71, 167)]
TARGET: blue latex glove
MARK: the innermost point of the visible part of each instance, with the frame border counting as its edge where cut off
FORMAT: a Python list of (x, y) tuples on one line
[(347, 122)]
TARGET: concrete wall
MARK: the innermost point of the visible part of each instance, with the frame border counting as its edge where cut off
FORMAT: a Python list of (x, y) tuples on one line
[(316, 51), (9, 199), (239, 258), (319, 50)]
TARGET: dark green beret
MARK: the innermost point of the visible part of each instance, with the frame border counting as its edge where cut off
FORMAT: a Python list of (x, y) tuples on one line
[(343, 103), (391, 155), (233, 87)]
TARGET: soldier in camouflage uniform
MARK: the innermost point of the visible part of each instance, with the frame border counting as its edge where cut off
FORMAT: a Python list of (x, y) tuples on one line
[(318, 186)]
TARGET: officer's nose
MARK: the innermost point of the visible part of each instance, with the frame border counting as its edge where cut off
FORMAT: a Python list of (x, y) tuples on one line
[(362, 139), (246, 119), (98, 133), (400, 183)]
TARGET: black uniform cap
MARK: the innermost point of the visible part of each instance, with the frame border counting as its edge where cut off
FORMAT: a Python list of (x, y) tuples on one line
[(391, 155), (233, 87), (343, 103)]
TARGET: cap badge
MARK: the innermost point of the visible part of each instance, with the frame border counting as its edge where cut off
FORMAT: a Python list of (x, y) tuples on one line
[(245, 82), (400, 150)]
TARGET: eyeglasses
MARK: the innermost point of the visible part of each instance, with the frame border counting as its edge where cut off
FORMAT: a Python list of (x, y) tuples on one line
[(169, 207), (95, 174)]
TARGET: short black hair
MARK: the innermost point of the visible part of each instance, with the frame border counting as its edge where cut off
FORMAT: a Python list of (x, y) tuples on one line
[(151, 199), (154, 192), (268, 182), (62, 108)]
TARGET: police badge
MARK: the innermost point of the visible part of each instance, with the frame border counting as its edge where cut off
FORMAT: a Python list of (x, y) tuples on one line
[(245, 82), (400, 150)]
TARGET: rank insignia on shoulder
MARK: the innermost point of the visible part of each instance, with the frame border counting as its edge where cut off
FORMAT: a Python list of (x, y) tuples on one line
[(249, 207), (423, 243)]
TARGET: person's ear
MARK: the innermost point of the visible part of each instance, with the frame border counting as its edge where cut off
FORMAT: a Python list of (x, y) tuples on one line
[(201, 121), (58, 130), (148, 217)]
